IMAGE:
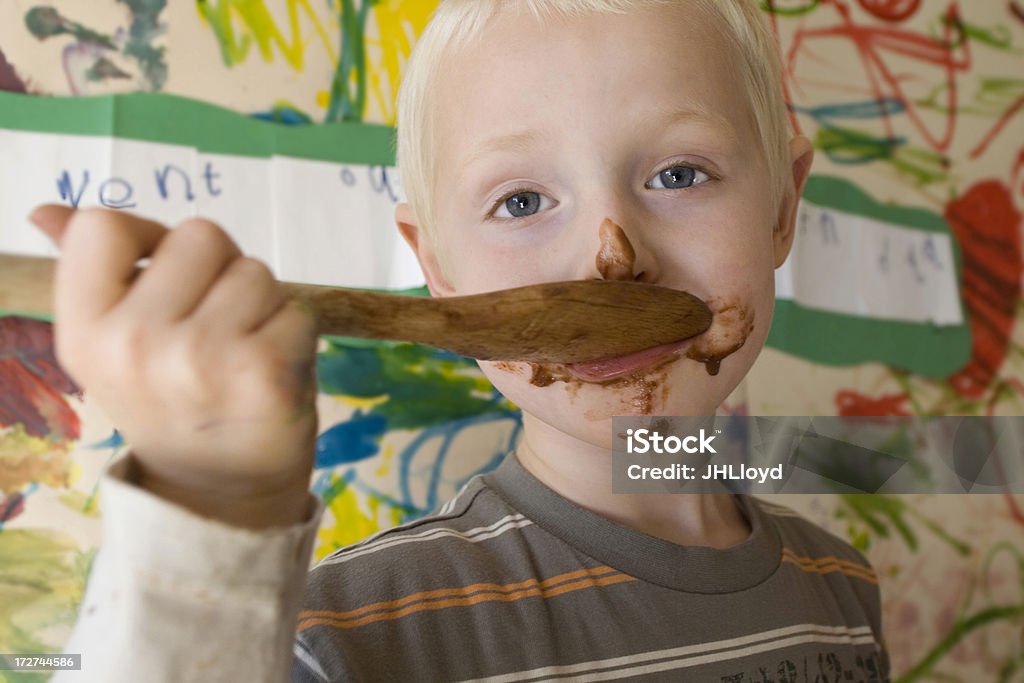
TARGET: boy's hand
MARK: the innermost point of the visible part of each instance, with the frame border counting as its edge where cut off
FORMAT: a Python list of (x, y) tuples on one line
[(199, 359)]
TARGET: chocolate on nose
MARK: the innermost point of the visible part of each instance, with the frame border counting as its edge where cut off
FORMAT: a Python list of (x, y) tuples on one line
[(616, 257)]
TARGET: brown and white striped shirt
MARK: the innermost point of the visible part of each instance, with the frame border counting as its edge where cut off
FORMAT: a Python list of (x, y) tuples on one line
[(512, 582)]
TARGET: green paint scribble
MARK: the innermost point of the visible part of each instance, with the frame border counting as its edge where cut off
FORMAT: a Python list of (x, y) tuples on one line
[(144, 29), (790, 8), (883, 516), (993, 97), (46, 22), (972, 617), (348, 87), (104, 69), (422, 386), (42, 580), (998, 37), (847, 146), (960, 629)]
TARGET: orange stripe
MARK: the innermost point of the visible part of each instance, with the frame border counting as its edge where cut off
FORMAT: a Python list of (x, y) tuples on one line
[(489, 596), (836, 568), (461, 590), (827, 565), (830, 559)]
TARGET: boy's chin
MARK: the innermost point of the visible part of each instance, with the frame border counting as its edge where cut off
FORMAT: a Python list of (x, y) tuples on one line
[(682, 387)]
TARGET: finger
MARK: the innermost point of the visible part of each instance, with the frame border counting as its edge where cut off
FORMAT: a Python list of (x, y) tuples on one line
[(99, 252), (52, 220), (243, 298), (293, 327), (182, 270)]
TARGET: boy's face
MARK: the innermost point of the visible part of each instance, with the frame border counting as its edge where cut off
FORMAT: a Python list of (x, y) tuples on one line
[(545, 131)]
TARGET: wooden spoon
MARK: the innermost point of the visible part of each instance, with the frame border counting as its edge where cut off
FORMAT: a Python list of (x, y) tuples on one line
[(560, 322)]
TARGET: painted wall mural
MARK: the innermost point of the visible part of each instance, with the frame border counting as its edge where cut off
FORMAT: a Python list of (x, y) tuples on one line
[(914, 107)]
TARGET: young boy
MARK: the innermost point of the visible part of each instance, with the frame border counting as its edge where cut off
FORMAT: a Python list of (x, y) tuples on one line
[(539, 140)]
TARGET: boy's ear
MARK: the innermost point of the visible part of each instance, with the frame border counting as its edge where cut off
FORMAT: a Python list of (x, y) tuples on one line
[(437, 283), (801, 154)]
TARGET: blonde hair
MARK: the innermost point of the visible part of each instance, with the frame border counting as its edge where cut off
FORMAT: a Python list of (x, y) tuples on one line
[(456, 22)]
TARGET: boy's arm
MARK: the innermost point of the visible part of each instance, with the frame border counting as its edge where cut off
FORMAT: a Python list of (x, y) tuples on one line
[(173, 596), (207, 369)]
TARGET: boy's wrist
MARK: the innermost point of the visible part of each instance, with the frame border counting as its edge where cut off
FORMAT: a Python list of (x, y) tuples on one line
[(250, 507)]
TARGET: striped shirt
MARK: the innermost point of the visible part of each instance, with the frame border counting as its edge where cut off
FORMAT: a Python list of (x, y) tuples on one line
[(510, 581)]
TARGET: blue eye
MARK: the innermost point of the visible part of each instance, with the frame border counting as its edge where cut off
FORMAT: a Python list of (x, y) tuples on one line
[(678, 178), (521, 205)]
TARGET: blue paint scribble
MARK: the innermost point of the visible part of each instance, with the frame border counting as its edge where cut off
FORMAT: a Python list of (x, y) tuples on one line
[(351, 441)]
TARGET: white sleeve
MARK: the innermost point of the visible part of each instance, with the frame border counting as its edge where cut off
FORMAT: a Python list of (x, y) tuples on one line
[(173, 596)]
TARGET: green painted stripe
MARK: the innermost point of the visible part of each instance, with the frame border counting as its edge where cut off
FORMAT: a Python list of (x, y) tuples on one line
[(155, 117), (840, 339), (842, 195), (837, 339)]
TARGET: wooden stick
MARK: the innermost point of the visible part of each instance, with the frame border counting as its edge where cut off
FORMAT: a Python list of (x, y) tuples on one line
[(565, 322)]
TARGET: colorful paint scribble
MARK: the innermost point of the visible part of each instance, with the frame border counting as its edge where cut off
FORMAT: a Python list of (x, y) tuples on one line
[(432, 396), (42, 580), (94, 57), (913, 107), (38, 426), (367, 63)]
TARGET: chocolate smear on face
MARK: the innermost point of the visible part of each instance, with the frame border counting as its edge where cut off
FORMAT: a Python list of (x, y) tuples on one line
[(732, 324), (615, 260), (616, 257)]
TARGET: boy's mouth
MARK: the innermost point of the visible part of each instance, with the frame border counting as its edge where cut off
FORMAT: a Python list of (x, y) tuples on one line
[(611, 368)]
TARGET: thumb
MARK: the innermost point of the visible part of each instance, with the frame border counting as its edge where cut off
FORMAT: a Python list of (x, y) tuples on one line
[(52, 219)]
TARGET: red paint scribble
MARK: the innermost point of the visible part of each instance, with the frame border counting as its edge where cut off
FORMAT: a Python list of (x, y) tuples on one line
[(951, 53), (987, 226), (1016, 514), (32, 385), (891, 10), (9, 80), (1000, 124), (11, 506), (850, 403), (1017, 10)]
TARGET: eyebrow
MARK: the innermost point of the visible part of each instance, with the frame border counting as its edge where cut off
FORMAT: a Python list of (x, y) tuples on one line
[(511, 142), (660, 118)]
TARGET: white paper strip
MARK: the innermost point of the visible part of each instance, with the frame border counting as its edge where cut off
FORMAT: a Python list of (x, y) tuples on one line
[(850, 264), (311, 221), (37, 168)]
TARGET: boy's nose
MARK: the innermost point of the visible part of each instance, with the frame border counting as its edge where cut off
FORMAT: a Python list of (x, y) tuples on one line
[(617, 257)]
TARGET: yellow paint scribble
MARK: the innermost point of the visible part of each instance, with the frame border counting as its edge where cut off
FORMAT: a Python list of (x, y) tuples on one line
[(42, 577), (398, 24), (259, 25), (362, 403), (81, 502), (349, 523), (25, 459), (386, 456)]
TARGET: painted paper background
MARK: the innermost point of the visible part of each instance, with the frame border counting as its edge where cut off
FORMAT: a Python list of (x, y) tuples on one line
[(914, 103)]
